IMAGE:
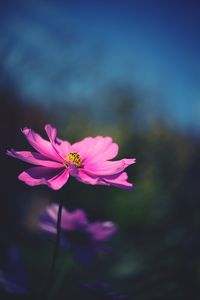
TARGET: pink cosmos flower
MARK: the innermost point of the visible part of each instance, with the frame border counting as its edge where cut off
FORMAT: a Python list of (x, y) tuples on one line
[(89, 161)]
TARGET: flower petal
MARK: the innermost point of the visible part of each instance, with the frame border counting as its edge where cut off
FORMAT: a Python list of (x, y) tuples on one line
[(61, 147), (96, 149), (41, 145), (82, 146), (76, 219), (101, 231), (108, 167), (119, 180), (104, 149), (34, 158), (54, 178), (48, 220), (88, 178), (70, 221), (48, 228), (52, 213), (51, 132)]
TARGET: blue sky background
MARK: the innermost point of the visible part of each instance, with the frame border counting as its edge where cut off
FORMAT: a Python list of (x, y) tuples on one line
[(73, 50)]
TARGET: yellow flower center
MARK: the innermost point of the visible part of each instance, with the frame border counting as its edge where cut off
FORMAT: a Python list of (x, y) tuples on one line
[(73, 158)]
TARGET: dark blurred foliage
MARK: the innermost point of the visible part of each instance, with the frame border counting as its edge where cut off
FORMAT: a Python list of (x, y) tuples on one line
[(156, 251), (13, 276), (100, 291)]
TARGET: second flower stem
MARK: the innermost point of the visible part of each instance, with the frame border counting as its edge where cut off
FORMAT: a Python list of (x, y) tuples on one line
[(55, 253), (57, 242)]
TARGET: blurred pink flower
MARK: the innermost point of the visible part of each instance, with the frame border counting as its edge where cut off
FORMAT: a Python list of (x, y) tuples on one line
[(88, 161), (83, 238)]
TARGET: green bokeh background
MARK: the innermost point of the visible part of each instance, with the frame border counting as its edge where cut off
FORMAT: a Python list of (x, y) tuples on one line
[(156, 250)]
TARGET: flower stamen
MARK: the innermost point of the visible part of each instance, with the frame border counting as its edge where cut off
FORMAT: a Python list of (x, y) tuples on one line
[(73, 158)]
